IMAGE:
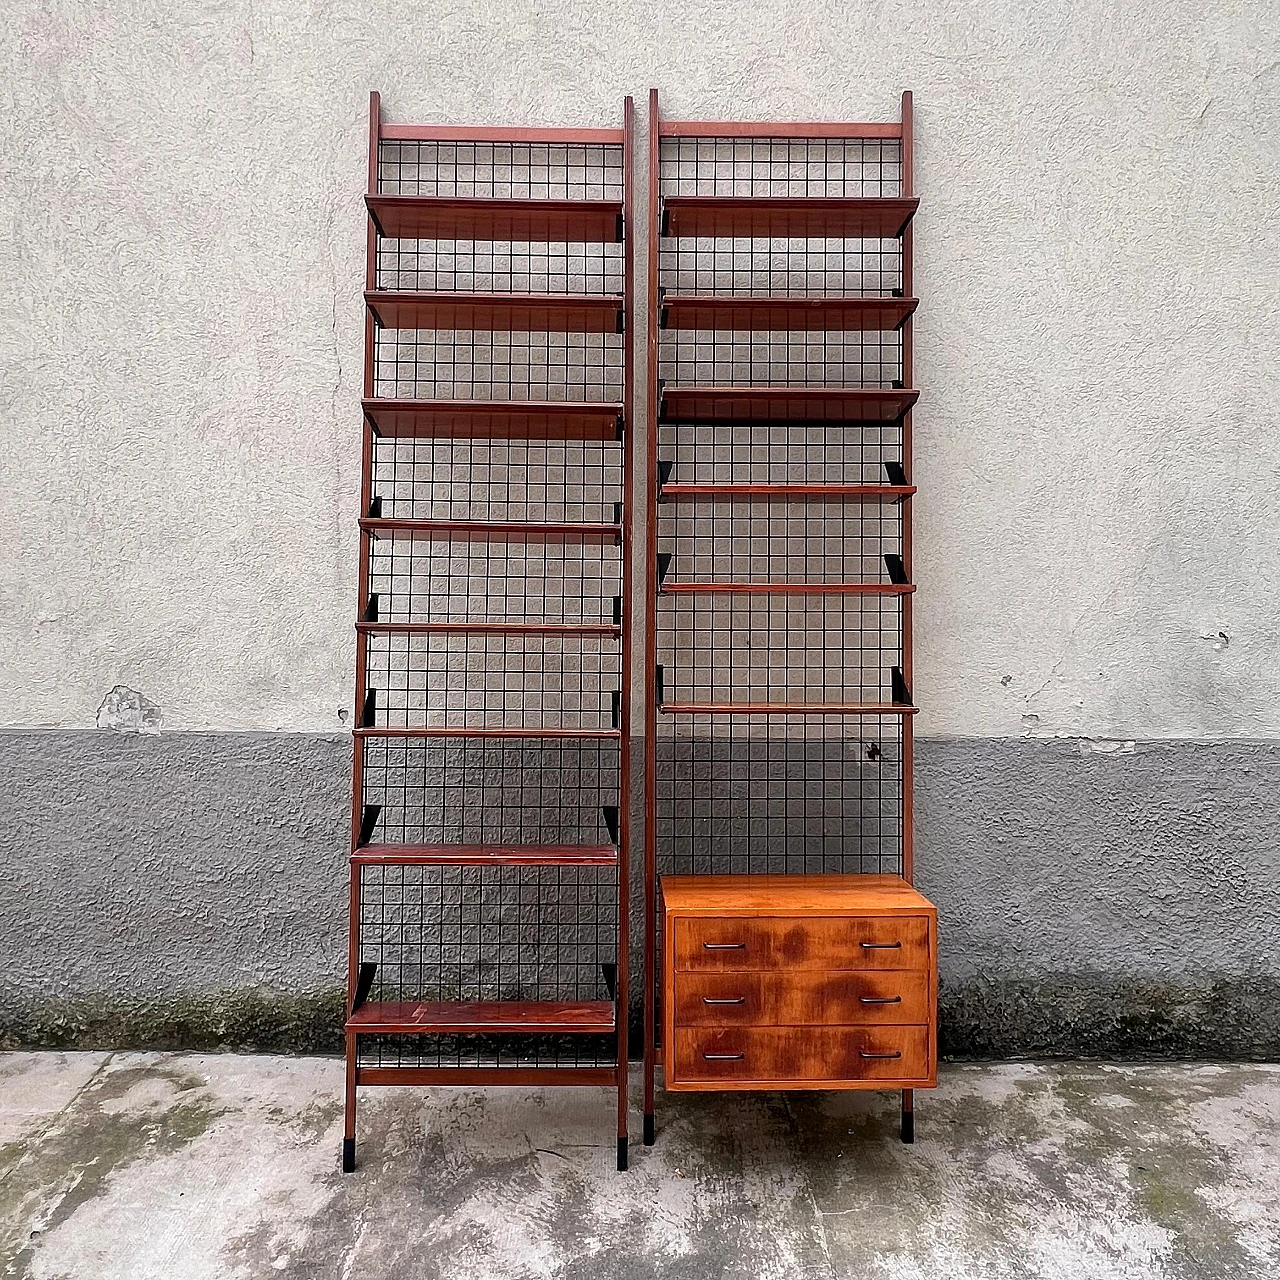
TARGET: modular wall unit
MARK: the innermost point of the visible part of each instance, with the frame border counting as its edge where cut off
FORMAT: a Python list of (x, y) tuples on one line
[(489, 852), (778, 656)]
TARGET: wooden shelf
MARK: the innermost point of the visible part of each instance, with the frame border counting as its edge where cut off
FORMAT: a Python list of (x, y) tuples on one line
[(494, 419), (787, 708), (490, 628), (416, 1017), (788, 588), (545, 313), (776, 314), (485, 218), (785, 404), (862, 493), (490, 531), (781, 217), (457, 855), (480, 731)]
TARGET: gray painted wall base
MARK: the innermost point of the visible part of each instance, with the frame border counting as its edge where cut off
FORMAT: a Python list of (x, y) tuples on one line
[(190, 890)]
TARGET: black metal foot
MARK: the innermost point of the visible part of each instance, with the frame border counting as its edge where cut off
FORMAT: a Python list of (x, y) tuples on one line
[(650, 1131), (348, 1155), (622, 1154), (908, 1126)]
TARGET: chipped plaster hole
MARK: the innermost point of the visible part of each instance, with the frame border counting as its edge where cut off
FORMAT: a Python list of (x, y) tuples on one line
[(1006, 681), (1220, 639), (342, 715), (125, 710), (1030, 723), (1105, 747)]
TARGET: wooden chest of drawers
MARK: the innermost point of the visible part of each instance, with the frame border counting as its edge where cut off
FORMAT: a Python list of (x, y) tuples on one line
[(798, 982)]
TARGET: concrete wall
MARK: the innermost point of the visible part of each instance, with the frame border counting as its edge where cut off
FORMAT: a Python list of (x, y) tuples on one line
[(182, 244)]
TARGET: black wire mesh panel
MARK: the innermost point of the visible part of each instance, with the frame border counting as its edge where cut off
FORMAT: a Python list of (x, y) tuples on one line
[(490, 791), (798, 542), (531, 171), (721, 648), (779, 794), (526, 480), (456, 581), (469, 680), (425, 364), (489, 933), (778, 452)]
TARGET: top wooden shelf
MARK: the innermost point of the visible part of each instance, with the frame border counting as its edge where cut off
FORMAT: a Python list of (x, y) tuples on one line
[(782, 217), (485, 218)]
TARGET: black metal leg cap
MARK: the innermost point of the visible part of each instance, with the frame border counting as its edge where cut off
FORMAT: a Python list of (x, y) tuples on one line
[(908, 1126), (650, 1131), (348, 1155), (622, 1154)]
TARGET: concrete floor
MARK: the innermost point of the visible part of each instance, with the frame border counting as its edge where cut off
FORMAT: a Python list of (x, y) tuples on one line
[(186, 1167)]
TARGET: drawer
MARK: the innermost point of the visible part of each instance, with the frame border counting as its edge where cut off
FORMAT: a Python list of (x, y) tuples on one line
[(718, 944), (796, 999), (796, 1055)]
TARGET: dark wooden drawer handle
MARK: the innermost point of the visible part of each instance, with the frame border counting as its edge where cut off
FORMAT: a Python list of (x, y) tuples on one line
[(725, 1000), (862, 1053), (879, 999), (881, 946), (723, 946), (724, 1057)]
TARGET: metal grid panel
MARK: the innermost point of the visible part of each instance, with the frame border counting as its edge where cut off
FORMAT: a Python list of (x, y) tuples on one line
[(465, 680), (778, 452), (500, 170), (490, 791), (489, 933), (723, 648), (779, 794), (805, 542), (493, 932), (533, 480), (444, 581)]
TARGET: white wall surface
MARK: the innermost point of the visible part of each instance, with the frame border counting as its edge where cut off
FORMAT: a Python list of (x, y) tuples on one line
[(1097, 443)]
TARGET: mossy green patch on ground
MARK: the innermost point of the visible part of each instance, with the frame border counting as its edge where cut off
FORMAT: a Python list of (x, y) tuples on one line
[(102, 1130)]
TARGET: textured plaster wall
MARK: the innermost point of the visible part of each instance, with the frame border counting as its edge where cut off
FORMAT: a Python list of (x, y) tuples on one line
[(181, 242), (191, 889)]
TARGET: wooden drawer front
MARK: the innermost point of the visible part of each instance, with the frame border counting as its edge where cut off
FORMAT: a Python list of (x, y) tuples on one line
[(796, 999), (779, 1054), (719, 944)]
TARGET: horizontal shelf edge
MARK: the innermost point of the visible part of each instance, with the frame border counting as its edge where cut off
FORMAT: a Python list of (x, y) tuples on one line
[(788, 708), (497, 731)]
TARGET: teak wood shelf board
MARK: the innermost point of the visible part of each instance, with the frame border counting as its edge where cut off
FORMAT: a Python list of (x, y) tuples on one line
[(788, 588), (863, 493), (412, 217), (495, 1016), (494, 419), (490, 628), (790, 404), (860, 314), (787, 708), (500, 312), (490, 531), (458, 855), (479, 731), (784, 217)]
